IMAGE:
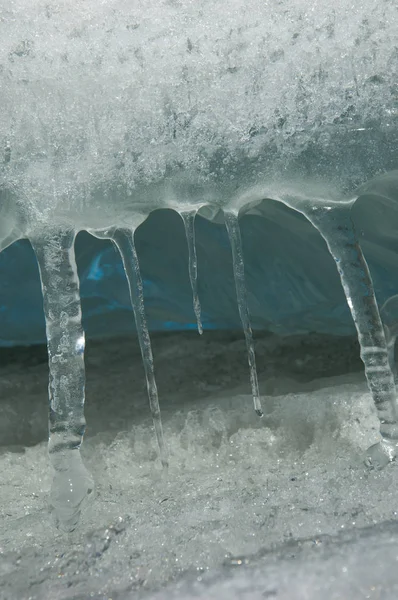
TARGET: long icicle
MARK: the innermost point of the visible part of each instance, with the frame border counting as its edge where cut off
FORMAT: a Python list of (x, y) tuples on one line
[(124, 240), (65, 341), (232, 224), (334, 223), (389, 317), (189, 225)]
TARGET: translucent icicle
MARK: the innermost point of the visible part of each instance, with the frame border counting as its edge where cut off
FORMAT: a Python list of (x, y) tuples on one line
[(232, 224), (336, 227), (389, 317), (189, 225), (65, 341), (124, 240)]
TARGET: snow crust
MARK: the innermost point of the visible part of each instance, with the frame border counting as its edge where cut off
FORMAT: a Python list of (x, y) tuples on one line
[(239, 488), (111, 110)]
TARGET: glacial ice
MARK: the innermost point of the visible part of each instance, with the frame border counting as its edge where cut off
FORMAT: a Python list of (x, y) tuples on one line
[(110, 111)]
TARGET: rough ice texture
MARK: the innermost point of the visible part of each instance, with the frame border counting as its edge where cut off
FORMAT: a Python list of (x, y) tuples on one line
[(239, 488), (112, 111), (109, 111)]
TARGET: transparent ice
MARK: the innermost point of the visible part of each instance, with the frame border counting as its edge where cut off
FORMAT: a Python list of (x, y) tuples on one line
[(189, 226), (124, 240), (232, 224), (112, 110), (65, 341), (389, 315), (333, 221)]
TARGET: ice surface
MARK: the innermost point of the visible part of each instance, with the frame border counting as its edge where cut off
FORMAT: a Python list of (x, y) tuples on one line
[(241, 492), (122, 109), (351, 565), (389, 316), (111, 111)]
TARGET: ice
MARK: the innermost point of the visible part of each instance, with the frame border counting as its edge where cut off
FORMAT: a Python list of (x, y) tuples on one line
[(334, 222), (389, 314), (232, 224), (111, 111), (124, 240), (340, 236), (189, 226), (180, 104), (239, 487), (348, 565), (65, 341)]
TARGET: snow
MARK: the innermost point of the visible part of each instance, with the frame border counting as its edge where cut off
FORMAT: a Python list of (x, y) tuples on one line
[(240, 494)]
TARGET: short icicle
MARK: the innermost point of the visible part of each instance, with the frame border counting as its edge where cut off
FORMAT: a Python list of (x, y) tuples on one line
[(232, 224), (65, 341), (124, 240), (334, 223), (189, 225)]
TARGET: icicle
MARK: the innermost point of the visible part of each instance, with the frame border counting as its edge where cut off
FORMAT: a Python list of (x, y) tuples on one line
[(334, 223), (389, 317), (124, 240), (189, 225), (65, 340), (232, 224)]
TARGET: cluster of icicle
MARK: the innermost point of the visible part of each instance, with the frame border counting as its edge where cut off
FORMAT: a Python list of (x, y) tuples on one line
[(60, 285)]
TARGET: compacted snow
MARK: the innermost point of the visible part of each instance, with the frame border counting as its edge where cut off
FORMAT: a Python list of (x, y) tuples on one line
[(277, 507)]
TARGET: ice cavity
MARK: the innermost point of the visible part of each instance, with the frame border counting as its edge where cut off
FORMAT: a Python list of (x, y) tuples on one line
[(110, 111)]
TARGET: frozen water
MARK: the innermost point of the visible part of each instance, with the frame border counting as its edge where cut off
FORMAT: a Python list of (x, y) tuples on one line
[(232, 224), (334, 222), (389, 315), (65, 341), (125, 109), (112, 111), (189, 225), (351, 565), (240, 490), (124, 240)]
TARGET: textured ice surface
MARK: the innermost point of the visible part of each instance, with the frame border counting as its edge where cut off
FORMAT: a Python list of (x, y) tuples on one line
[(240, 490), (111, 111)]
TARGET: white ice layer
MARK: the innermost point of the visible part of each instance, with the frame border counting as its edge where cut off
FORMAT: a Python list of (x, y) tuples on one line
[(111, 110)]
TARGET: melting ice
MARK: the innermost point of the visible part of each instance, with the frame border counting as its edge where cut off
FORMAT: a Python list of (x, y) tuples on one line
[(111, 111)]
